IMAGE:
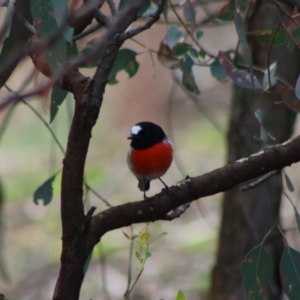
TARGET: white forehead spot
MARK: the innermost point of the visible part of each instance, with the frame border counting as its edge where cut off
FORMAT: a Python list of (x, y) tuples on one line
[(136, 129)]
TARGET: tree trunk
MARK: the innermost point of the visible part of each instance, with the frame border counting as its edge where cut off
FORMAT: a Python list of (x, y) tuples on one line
[(248, 216)]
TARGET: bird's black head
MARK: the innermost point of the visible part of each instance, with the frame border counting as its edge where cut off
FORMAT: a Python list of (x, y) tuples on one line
[(145, 134)]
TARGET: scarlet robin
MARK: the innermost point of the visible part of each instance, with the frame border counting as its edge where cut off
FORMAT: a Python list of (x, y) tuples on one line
[(150, 154)]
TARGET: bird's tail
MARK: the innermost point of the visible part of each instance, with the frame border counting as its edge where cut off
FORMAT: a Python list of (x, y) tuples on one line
[(144, 185)]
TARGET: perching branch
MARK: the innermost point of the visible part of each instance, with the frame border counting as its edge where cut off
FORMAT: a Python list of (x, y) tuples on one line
[(219, 180)]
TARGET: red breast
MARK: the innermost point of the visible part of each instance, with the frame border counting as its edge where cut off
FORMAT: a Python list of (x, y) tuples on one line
[(152, 162)]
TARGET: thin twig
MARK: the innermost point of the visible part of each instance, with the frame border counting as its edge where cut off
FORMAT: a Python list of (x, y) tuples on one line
[(187, 30), (152, 19), (87, 32), (259, 181), (112, 7), (100, 17)]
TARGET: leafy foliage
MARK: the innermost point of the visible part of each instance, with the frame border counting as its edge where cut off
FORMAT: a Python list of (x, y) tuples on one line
[(290, 272), (44, 192), (257, 271)]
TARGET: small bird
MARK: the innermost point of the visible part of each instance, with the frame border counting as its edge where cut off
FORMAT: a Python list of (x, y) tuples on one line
[(150, 154)]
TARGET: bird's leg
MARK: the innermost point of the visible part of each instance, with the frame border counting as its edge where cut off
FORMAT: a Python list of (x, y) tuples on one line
[(167, 188)]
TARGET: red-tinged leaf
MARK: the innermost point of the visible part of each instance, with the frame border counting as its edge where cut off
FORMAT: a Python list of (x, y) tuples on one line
[(239, 77), (189, 12), (92, 60), (46, 25), (291, 21), (297, 88), (289, 99), (166, 56), (256, 270), (290, 272), (296, 35), (125, 60), (265, 36), (132, 67), (126, 235), (226, 12), (188, 81)]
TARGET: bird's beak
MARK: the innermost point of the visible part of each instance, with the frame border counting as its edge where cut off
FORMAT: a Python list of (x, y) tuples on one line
[(131, 137)]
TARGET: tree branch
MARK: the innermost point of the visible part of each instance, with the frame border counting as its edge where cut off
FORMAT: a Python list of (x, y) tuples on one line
[(88, 103), (214, 182), (152, 19)]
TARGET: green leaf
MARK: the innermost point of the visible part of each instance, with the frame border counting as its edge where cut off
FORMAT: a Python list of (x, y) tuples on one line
[(186, 64), (256, 270), (188, 81), (148, 254), (180, 296), (290, 272), (193, 52), (217, 70), (297, 216), (174, 34), (60, 9), (226, 12), (288, 182), (265, 36), (181, 49), (125, 60), (2, 297), (44, 192), (16, 40), (199, 34), (58, 95), (138, 256), (44, 20), (93, 60)]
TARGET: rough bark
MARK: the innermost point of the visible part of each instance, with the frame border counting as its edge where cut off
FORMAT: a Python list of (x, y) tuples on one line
[(248, 216)]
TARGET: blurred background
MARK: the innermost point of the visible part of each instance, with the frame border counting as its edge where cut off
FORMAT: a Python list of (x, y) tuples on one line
[(182, 259)]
